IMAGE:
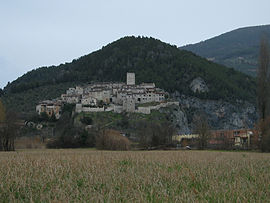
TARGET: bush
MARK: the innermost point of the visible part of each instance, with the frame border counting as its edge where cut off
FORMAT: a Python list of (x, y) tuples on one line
[(112, 140), (153, 135), (68, 108), (73, 138), (86, 120)]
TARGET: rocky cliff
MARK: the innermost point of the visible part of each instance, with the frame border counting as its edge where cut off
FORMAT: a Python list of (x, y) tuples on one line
[(220, 114)]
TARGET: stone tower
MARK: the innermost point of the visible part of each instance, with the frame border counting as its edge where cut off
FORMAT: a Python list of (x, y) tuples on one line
[(130, 78)]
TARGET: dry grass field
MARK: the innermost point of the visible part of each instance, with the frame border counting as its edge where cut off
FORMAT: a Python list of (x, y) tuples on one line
[(134, 176)]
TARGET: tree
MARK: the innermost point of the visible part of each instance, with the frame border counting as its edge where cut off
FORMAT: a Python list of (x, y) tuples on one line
[(2, 120), (123, 123), (263, 94), (8, 129), (86, 120), (44, 116), (155, 135), (66, 135), (263, 80), (53, 118), (2, 112), (201, 127)]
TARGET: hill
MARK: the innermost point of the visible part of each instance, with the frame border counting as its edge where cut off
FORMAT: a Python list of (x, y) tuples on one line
[(238, 49), (152, 61)]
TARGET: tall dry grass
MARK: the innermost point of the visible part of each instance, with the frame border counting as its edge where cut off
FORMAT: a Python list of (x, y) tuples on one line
[(155, 176)]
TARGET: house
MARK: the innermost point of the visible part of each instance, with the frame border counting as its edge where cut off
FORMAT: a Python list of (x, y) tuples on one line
[(71, 98), (186, 139), (221, 139), (129, 103), (89, 100), (50, 108), (238, 138)]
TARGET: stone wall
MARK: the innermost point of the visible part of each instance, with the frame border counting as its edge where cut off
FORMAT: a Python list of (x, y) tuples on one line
[(79, 108), (118, 109), (147, 110)]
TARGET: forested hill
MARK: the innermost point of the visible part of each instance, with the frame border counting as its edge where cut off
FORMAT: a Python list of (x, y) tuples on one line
[(238, 48), (151, 60)]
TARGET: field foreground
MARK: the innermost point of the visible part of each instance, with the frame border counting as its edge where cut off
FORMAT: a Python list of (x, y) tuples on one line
[(155, 176)]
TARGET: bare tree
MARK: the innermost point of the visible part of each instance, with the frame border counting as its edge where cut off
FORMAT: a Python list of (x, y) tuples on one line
[(263, 94), (111, 140), (201, 127)]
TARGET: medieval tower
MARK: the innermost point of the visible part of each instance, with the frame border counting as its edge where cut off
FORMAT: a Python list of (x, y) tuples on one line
[(130, 78)]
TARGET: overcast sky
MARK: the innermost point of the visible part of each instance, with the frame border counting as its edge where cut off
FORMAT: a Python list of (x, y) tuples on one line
[(35, 33)]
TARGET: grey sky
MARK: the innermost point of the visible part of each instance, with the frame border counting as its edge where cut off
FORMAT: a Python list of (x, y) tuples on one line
[(38, 33)]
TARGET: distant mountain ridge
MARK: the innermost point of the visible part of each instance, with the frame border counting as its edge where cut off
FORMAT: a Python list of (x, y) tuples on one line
[(150, 59), (238, 48)]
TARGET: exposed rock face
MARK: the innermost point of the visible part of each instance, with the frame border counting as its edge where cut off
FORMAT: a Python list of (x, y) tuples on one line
[(178, 117), (220, 114), (198, 85)]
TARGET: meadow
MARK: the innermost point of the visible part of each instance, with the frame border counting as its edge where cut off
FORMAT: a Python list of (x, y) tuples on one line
[(85, 175)]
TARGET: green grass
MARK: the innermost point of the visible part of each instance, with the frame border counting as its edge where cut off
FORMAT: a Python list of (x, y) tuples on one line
[(111, 119), (101, 118)]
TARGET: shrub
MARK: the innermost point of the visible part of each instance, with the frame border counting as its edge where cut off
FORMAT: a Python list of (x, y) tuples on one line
[(86, 120), (112, 140), (155, 135), (73, 138)]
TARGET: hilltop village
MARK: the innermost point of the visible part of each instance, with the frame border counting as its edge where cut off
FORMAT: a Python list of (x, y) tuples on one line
[(116, 97), (129, 97)]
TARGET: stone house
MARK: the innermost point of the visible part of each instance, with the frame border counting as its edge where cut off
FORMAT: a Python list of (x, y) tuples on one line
[(50, 108), (129, 103), (71, 91), (71, 98), (89, 100)]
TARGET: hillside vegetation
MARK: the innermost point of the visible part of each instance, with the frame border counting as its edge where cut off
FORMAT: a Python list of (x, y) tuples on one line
[(152, 61), (238, 49)]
